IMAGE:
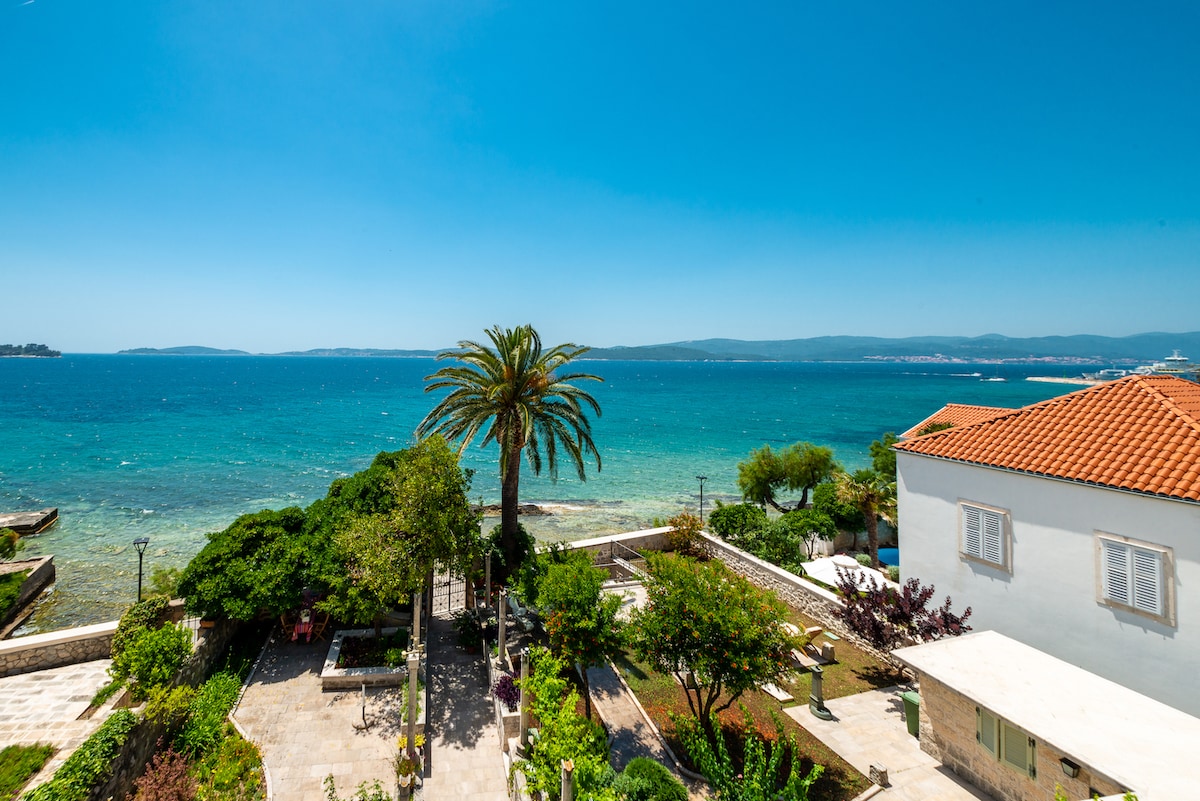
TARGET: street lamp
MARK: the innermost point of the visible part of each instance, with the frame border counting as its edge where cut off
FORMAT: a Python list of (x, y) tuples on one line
[(702, 479), (140, 543)]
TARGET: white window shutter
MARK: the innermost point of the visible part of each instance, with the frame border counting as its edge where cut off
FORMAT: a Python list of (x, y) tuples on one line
[(1147, 581), (993, 537), (1115, 564), (972, 535)]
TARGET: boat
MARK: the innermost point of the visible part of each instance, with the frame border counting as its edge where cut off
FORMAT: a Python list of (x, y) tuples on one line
[(1175, 365), (995, 380), (1107, 374)]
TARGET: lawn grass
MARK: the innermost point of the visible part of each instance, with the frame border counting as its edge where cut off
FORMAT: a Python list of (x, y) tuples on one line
[(854, 672), (19, 764), (662, 696)]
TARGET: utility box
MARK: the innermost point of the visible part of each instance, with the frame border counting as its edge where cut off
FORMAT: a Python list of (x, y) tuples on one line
[(912, 712)]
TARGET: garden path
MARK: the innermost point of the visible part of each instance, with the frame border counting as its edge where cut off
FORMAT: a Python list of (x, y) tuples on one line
[(869, 728)]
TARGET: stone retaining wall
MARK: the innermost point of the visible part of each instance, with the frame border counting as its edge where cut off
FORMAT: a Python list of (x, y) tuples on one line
[(56, 648), (41, 575), (650, 538)]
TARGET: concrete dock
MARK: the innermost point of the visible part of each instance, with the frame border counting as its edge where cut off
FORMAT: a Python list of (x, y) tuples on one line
[(28, 523)]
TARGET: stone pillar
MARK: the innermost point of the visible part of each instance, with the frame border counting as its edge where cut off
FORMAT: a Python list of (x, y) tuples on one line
[(501, 624), (416, 621), (414, 667), (487, 582), (816, 699), (568, 786), (524, 703)]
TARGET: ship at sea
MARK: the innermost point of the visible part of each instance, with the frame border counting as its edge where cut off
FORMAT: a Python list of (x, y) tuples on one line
[(1175, 364)]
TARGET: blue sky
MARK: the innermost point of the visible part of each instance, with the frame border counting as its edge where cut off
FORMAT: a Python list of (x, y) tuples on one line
[(289, 175)]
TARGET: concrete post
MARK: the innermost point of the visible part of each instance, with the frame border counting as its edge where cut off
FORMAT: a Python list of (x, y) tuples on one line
[(416, 621), (524, 703), (568, 786), (414, 667), (487, 581), (816, 699), (502, 624)]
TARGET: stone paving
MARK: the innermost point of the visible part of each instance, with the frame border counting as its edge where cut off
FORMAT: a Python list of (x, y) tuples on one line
[(869, 728), (44, 707), (305, 734)]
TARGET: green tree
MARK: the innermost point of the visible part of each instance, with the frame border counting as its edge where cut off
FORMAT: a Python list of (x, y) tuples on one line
[(735, 520), (514, 392), (580, 619), (800, 466), (811, 525), (10, 543), (717, 633), (875, 497), (845, 516), (388, 555), (883, 458)]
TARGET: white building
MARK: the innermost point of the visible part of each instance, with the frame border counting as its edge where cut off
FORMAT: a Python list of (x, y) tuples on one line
[(1071, 525)]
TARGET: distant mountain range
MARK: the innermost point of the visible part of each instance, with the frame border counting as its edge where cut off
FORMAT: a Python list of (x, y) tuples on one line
[(1080, 349)]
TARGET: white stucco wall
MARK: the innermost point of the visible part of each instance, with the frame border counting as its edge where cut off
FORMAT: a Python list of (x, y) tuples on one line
[(1050, 599)]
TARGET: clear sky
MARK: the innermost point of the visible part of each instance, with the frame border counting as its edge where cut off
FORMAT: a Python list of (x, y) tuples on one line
[(289, 175)]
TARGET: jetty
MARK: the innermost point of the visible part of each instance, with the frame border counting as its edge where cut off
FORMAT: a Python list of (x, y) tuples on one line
[(1047, 379), (27, 523)]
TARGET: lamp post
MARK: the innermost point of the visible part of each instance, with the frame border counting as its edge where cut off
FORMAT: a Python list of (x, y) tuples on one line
[(702, 479), (140, 543)]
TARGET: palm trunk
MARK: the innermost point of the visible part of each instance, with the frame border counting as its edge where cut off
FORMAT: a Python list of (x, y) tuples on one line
[(509, 541)]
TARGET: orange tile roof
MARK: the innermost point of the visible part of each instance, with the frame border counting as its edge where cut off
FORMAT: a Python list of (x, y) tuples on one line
[(957, 414), (1140, 433)]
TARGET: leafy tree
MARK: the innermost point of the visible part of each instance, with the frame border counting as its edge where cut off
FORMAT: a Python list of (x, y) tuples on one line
[(887, 617), (713, 630), (261, 562), (845, 516), (778, 542), (875, 497), (684, 535), (735, 520), (759, 779), (811, 526), (883, 458), (388, 554), (10, 543), (513, 390), (580, 619), (800, 466)]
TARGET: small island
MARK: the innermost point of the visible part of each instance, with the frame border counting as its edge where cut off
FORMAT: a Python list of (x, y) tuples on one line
[(40, 351)]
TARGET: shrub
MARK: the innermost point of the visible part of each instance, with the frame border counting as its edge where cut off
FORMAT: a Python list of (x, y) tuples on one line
[(506, 692), (893, 572), (734, 521), (19, 764), (863, 559), (886, 617), (365, 792), (164, 581), (90, 765), (169, 705), (153, 658), (166, 779), (230, 772), (684, 534), (142, 616), (846, 516), (646, 780), (761, 777), (205, 722)]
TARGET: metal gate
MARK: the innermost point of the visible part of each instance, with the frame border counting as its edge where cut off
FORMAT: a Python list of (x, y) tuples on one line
[(449, 593)]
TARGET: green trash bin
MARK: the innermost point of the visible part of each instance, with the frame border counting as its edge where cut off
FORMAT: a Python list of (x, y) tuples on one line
[(912, 716)]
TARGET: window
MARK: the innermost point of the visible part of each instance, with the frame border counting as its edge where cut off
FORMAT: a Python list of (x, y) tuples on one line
[(1006, 742), (983, 534), (1136, 576)]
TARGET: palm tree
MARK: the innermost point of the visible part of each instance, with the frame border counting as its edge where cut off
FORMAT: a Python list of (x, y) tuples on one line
[(512, 391), (875, 497)]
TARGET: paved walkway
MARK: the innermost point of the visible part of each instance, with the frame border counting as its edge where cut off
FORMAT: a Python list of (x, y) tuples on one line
[(463, 760), (869, 728), (44, 707), (306, 735), (631, 733)]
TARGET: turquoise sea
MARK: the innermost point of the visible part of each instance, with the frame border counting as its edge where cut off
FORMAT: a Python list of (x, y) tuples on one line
[(171, 447)]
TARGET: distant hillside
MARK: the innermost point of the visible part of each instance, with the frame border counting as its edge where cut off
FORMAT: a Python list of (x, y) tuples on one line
[(1080, 349), (184, 350), (29, 350)]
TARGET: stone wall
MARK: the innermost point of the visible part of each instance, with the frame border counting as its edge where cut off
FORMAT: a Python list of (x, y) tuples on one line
[(41, 575), (948, 734), (651, 539), (56, 648)]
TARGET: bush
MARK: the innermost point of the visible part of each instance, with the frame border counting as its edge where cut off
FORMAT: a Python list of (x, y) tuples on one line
[(91, 764), (205, 722), (230, 772), (863, 559), (506, 692), (893, 572), (887, 618), (846, 516), (142, 616), (734, 521), (19, 764), (153, 659), (164, 582), (684, 536), (169, 705), (166, 779), (646, 780)]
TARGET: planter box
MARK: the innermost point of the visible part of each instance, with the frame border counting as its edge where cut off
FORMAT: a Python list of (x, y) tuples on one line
[(335, 678)]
